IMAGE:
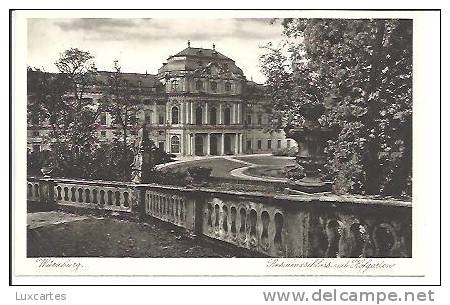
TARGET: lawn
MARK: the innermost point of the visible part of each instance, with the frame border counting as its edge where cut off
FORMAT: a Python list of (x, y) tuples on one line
[(220, 167), (267, 160)]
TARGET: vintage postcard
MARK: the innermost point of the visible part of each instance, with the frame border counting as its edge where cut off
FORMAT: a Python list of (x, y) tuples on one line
[(226, 144)]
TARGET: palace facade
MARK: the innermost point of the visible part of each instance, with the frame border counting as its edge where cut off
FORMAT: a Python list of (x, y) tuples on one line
[(199, 103)]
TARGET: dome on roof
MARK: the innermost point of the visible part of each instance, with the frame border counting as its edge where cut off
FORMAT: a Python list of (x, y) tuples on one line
[(198, 60)]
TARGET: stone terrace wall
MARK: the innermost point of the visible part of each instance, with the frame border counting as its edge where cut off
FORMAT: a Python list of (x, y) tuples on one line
[(278, 226)]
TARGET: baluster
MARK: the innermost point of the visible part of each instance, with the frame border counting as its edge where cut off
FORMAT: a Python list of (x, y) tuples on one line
[(334, 234), (87, 195), (225, 219), (279, 223), (265, 220), (243, 224), (94, 196), (126, 199)]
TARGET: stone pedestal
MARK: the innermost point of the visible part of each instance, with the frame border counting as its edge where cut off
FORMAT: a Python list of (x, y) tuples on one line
[(142, 164), (311, 157)]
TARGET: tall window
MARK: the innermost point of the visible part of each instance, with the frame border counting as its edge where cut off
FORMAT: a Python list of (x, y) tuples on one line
[(148, 117), (259, 119), (227, 86), (199, 116), (288, 143), (249, 144), (174, 85), (161, 119), (259, 144), (175, 113), (279, 144), (227, 116), (161, 145), (214, 86), (269, 144), (213, 116), (175, 145), (198, 85), (249, 119), (103, 119)]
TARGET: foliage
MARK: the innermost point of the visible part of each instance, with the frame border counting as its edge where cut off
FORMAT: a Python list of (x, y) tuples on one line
[(360, 71), (36, 160), (286, 152), (294, 172), (121, 103), (180, 178)]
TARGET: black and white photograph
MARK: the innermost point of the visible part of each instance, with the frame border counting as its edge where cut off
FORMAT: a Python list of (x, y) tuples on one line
[(284, 140)]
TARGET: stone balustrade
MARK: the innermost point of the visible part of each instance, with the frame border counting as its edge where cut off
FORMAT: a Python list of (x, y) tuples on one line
[(273, 225)]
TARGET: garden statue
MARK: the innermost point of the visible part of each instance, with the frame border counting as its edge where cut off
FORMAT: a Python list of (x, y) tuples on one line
[(142, 164)]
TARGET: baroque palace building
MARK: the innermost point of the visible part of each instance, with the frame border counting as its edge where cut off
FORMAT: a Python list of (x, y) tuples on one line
[(198, 104)]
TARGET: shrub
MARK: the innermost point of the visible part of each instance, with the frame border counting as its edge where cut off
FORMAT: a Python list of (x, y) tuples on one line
[(170, 178), (286, 152), (294, 172)]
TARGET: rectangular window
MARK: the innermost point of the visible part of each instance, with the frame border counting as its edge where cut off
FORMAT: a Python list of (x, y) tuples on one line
[(198, 85), (103, 133), (214, 86), (259, 144), (161, 145), (259, 119), (269, 144), (148, 117), (161, 119), (103, 119), (279, 144), (249, 144), (35, 134), (249, 119), (288, 143)]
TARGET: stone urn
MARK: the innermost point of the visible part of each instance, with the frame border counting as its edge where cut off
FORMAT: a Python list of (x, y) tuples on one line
[(46, 170), (311, 158), (312, 140)]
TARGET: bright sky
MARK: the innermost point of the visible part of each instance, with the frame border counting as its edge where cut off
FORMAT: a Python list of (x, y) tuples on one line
[(144, 44)]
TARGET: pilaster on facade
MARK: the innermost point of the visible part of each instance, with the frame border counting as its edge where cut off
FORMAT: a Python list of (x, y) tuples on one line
[(222, 145), (208, 145)]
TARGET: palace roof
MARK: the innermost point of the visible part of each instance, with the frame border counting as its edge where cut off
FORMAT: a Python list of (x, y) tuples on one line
[(201, 52)]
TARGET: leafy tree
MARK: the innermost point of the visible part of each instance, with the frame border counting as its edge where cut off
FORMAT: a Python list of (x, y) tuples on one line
[(58, 100), (122, 103), (360, 70)]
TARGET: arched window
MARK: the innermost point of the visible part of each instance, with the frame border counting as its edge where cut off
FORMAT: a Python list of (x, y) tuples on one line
[(174, 85), (199, 85), (213, 116), (227, 116), (199, 116), (214, 86), (175, 145), (175, 112)]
